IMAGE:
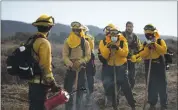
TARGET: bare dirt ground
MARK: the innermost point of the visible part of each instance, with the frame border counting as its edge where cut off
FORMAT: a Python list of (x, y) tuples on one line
[(14, 97)]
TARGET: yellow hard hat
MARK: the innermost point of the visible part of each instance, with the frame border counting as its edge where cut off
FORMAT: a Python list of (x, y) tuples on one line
[(86, 29), (44, 20), (108, 28), (76, 25), (111, 25), (149, 29)]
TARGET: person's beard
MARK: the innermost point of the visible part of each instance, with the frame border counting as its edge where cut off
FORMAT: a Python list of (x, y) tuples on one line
[(129, 32)]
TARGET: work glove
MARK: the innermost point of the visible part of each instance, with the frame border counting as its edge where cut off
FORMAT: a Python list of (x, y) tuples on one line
[(110, 44), (69, 64), (54, 87), (77, 65), (133, 58), (101, 58), (138, 60), (151, 44), (129, 55), (113, 46)]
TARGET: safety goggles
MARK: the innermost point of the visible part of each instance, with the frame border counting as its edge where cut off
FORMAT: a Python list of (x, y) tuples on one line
[(52, 19), (151, 28), (107, 28), (75, 24), (148, 31), (114, 32)]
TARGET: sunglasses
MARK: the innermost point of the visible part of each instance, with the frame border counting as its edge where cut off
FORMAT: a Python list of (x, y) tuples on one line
[(75, 24)]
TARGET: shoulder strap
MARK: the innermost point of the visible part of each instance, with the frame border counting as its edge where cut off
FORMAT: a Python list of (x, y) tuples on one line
[(82, 47), (70, 49), (121, 43), (134, 37), (159, 41), (144, 44), (104, 42), (31, 40)]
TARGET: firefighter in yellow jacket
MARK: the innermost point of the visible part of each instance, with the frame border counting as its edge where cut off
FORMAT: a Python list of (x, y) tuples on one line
[(113, 52), (154, 50), (90, 67), (76, 53), (40, 84)]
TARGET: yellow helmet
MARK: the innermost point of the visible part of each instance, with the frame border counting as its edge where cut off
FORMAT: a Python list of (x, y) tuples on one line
[(149, 29), (109, 27), (86, 29), (44, 20), (76, 25)]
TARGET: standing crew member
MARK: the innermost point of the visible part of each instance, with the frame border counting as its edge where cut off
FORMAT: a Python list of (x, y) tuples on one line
[(114, 51), (90, 67), (102, 59), (156, 48), (134, 45), (76, 53), (39, 85)]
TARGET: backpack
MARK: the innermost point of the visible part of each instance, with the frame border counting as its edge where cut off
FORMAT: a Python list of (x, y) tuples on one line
[(168, 55), (21, 62)]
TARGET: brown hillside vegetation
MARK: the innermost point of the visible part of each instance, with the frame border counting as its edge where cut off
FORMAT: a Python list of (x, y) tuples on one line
[(14, 91)]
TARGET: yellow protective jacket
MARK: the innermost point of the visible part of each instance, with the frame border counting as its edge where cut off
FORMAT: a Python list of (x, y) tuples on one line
[(43, 49), (138, 59), (118, 57), (159, 50), (90, 39), (76, 50)]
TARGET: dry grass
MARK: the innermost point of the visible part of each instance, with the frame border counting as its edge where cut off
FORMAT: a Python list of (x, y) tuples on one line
[(14, 97)]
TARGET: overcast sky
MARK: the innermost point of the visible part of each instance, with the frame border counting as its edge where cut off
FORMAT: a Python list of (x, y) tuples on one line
[(162, 14)]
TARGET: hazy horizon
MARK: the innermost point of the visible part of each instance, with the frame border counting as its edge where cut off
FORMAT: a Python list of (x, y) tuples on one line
[(162, 14)]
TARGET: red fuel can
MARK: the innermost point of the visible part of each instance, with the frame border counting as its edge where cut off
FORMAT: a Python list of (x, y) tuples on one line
[(61, 98)]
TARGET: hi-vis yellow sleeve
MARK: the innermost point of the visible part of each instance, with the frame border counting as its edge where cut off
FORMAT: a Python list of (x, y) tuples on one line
[(104, 50)]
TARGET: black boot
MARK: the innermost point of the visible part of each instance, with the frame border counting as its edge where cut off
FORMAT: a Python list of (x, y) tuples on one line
[(152, 107), (133, 108), (163, 108)]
